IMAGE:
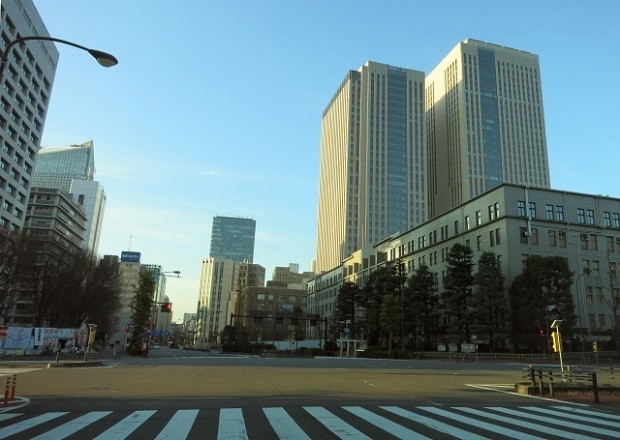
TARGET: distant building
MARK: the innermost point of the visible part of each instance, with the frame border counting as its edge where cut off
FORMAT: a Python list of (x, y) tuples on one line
[(122, 320), (484, 123), (57, 167), (130, 275), (72, 170), (286, 276), (220, 280), (217, 285), (56, 223), (247, 274), (233, 238), (24, 97), (270, 313), (372, 181)]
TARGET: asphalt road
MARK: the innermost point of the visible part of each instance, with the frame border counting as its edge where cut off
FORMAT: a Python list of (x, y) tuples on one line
[(178, 378), (185, 394)]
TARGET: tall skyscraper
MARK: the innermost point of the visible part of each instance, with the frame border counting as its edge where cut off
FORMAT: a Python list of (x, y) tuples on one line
[(233, 238), (24, 97), (485, 123), (372, 179), (72, 169), (57, 167)]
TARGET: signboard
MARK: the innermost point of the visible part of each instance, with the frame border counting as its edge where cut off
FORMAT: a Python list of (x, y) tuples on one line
[(468, 348), (130, 257)]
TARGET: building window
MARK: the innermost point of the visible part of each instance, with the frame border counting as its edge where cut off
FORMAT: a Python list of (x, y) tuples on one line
[(532, 209), (581, 215), (524, 235), (562, 239), (534, 237), (456, 227), (491, 213), (607, 219), (549, 212), (492, 238), (496, 209), (467, 223), (590, 216), (552, 238), (479, 242), (478, 218), (521, 208), (559, 213), (615, 220)]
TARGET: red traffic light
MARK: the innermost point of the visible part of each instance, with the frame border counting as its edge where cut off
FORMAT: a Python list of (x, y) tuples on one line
[(166, 308)]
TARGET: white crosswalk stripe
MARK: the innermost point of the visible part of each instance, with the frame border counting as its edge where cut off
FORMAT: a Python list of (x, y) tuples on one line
[(306, 422)]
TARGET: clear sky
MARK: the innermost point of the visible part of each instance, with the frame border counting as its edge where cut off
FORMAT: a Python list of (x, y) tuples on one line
[(215, 106)]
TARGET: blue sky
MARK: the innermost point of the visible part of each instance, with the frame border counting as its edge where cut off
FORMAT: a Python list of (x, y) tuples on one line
[(215, 106)]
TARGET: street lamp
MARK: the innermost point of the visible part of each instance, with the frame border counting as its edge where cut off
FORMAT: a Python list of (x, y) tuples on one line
[(103, 58)]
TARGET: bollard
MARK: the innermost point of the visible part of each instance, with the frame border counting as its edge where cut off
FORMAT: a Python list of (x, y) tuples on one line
[(9, 391), (13, 386), (540, 383), (551, 394), (595, 387)]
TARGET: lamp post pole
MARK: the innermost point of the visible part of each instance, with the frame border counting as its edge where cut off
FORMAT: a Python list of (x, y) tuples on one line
[(103, 58)]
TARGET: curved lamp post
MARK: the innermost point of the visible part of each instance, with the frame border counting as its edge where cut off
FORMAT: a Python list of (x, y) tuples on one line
[(103, 58)]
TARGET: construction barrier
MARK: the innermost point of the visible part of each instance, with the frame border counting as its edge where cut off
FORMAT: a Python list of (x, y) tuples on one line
[(9, 392)]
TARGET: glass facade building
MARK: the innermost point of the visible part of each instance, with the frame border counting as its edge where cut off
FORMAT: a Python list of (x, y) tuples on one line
[(56, 167), (233, 238)]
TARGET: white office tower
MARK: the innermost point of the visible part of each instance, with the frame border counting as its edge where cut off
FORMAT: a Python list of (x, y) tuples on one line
[(72, 169), (372, 180), (217, 285), (25, 90), (485, 123)]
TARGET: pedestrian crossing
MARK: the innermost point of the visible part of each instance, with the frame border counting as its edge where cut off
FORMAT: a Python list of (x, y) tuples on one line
[(423, 422)]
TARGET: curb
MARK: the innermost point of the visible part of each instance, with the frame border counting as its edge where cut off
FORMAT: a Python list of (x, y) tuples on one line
[(75, 364)]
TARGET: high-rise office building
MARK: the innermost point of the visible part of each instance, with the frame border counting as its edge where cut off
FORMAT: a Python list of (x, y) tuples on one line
[(24, 96), (72, 169), (485, 123), (373, 165), (57, 167), (233, 238)]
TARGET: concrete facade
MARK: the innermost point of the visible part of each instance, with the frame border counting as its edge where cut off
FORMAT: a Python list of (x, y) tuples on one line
[(484, 123), (514, 222), (372, 180), (72, 169), (25, 92)]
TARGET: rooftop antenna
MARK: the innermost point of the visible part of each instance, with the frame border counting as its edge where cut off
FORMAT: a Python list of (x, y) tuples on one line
[(130, 237)]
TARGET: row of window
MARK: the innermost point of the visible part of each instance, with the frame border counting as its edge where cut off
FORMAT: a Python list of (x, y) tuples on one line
[(556, 213), (271, 297), (556, 238)]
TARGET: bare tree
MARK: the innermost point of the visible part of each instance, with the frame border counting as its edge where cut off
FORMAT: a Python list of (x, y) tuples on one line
[(9, 249)]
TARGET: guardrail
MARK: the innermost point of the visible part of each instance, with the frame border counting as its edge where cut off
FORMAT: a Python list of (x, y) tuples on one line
[(550, 376)]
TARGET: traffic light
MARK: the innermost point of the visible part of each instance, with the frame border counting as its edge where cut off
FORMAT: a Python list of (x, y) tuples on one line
[(166, 308), (557, 343)]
